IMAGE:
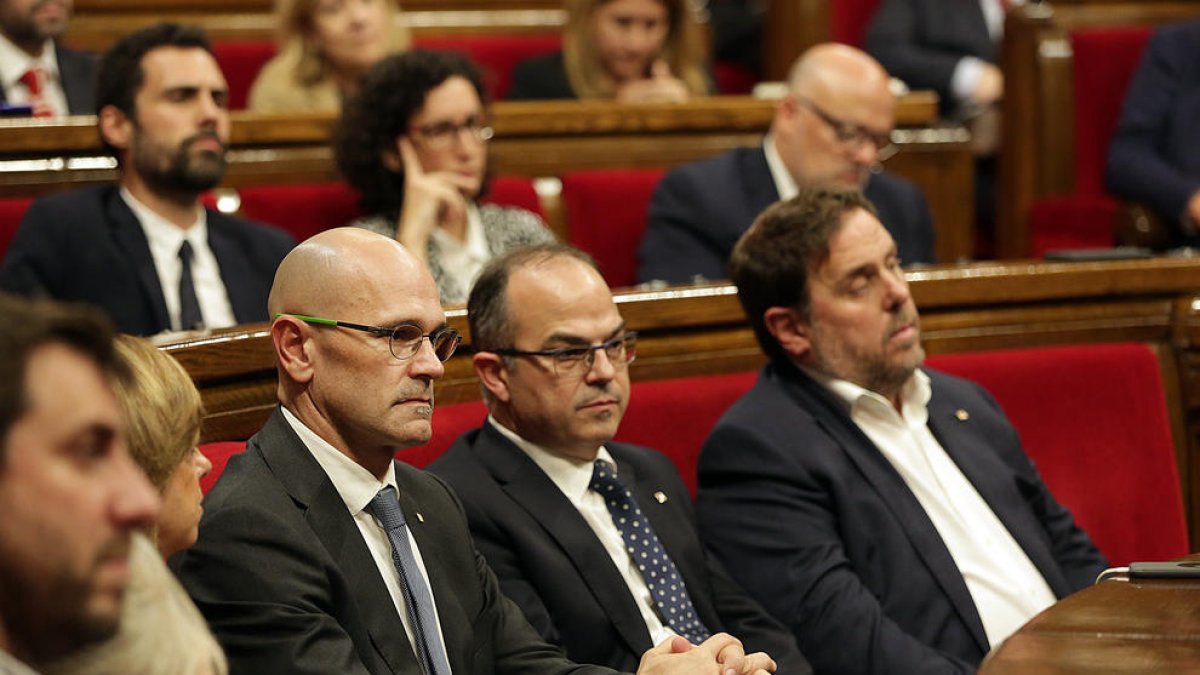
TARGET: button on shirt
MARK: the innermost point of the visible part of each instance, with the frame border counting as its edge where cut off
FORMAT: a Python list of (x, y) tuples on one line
[(357, 487), (1006, 587), (572, 476), (14, 63), (165, 238)]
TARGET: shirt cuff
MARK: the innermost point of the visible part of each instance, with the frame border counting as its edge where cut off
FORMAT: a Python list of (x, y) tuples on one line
[(966, 76)]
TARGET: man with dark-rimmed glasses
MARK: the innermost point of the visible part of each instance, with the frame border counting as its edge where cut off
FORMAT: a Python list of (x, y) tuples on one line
[(318, 552), (594, 540), (833, 129)]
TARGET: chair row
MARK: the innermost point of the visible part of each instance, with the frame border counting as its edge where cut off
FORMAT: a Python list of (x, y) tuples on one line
[(1105, 451)]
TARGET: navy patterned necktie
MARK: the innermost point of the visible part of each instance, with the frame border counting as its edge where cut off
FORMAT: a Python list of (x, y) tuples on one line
[(417, 597), (652, 560), (190, 317)]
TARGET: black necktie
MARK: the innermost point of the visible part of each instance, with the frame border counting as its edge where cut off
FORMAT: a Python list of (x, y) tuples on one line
[(657, 568), (190, 317)]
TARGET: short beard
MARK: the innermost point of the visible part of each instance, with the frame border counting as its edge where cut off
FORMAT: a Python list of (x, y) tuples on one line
[(185, 173)]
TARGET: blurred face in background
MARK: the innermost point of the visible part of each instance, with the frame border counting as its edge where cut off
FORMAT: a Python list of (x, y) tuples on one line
[(351, 35), (447, 134), (29, 23), (179, 524), (629, 36)]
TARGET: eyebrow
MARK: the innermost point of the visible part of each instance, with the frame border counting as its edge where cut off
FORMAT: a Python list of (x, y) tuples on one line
[(576, 340)]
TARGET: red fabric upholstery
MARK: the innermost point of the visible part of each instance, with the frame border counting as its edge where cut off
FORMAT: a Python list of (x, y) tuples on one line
[(219, 454), (1080, 221), (1094, 420), (733, 79), (606, 216), (302, 209), (514, 191), (848, 20), (449, 422), (496, 55), (11, 212), (241, 61)]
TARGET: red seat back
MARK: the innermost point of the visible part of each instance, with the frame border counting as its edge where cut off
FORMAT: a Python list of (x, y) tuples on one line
[(848, 20), (514, 191), (1094, 420), (11, 212), (449, 422), (240, 61), (1080, 221), (1105, 61), (496, 55), (218, 453), (606, 216), (303, 209)]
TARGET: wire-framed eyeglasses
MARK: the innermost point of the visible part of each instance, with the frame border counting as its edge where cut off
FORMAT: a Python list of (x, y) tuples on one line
[(851, 135), (442, 135), (404, 340), (621, 351)]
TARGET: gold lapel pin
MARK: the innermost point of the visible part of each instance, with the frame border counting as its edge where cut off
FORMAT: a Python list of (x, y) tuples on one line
[(962, 415), (660, 497), (420, 518)]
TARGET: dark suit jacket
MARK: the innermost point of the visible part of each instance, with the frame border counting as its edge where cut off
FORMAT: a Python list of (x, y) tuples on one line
[(700, 210), (816, 523), (921, 41), (77, 71), (87, 246), (288, 585), (1155, 155), (555, 568), (540, 78)]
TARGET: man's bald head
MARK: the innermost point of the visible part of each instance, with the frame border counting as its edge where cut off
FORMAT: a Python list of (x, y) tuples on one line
[(832, 65)]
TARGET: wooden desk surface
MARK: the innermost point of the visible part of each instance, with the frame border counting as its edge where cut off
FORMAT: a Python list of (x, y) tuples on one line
[(1117, 627)]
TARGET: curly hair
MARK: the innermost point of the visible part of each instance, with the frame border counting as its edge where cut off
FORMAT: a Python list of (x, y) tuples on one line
[(392, 92)]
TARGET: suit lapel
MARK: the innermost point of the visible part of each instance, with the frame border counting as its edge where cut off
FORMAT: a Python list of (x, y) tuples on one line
[(894, 492), (757, 183), (235, 268), (128, 234), (326, 514), (526, 484)]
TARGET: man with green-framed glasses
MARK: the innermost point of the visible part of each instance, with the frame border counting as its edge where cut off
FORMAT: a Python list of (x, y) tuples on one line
[(318, 552), (545, 487)]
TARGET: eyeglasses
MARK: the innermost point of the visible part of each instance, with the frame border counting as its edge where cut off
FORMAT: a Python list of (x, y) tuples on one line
[(851, 135), (442, 135), (621, 351), (404, 340)]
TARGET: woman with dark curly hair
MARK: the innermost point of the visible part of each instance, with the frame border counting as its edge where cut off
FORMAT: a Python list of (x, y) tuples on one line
[(413, 142)]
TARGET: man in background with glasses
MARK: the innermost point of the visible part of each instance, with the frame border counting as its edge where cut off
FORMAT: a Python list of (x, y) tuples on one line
[(318, 552), (832, 130), (594, 540)]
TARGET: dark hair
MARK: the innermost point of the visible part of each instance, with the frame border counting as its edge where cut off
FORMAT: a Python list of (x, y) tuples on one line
[(771, 262), (389, 95), (30, 324), (120, 73), (487, 307)]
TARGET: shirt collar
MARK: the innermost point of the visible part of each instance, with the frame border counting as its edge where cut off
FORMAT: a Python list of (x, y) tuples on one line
[(570, 474), (356, 486), (785, 185), (14, 61), (476, 241), (159, 230), (914, 395)]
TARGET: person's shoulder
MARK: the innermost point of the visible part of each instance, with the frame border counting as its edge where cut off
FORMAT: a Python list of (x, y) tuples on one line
[(1182, 36), (74, 207), (277, 90), (460, 458), (541, 63), (888, 183), (74, 57)]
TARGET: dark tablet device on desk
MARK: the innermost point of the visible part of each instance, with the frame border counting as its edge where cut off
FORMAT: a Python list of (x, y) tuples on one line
[(16, 110), (1091, 254)]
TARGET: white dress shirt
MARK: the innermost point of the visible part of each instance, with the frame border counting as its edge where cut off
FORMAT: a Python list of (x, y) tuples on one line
[(357, 487), (165, 238), (1006, 587), (969, 69), (573, 476), (9, 665), (464, 259), (785, 185), (14, 63)]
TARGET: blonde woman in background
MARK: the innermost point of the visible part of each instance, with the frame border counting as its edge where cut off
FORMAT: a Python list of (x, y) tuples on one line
[(324, 46), (628, 50), (162, 632)]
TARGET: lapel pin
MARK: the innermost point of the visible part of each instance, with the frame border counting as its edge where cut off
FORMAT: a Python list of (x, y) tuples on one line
[(962, 415), (660, 497), (420, 518)]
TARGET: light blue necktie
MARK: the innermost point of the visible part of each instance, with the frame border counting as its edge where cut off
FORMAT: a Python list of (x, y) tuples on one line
[(657, 568), (417, 597)]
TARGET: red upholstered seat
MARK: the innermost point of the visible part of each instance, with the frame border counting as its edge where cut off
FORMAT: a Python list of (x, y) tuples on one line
[(1104, 62), (606, 216), (449, 422), (496, 55), (514, 191), (1094, 420), (302, 209), (11, 212), (218, 453), (848, 20), (240, 61), (733, 79)]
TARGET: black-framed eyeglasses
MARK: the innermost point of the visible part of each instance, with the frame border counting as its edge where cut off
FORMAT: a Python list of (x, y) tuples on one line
[(621, 351), (404, 340), (852, 135), (444, 134)]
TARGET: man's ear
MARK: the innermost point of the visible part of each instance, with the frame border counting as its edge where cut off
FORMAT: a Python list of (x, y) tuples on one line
[(492, 371), (115, 127), (789, 329), (292, 348)]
